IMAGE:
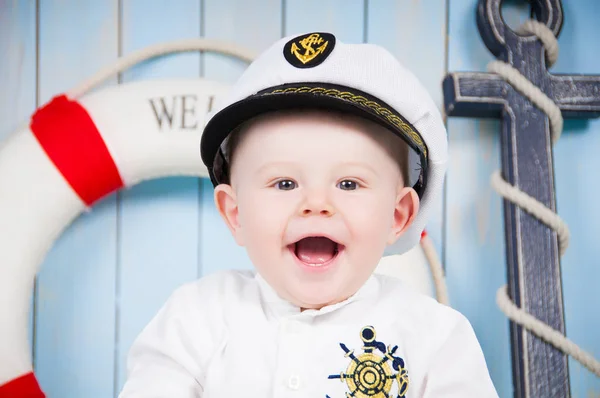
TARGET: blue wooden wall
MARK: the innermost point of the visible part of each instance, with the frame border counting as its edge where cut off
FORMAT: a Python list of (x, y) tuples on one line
[(113, 268)]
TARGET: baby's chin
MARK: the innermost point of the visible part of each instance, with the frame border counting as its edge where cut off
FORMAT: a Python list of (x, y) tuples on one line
[(316, 297)]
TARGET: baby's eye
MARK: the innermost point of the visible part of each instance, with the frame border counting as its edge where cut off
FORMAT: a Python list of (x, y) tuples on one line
[(286, 185), (348, 185)]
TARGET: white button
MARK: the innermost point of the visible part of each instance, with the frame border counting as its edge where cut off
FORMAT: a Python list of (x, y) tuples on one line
[(294, 382)]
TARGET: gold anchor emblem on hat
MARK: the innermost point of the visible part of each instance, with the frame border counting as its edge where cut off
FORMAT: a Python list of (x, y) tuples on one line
[(308, 44)]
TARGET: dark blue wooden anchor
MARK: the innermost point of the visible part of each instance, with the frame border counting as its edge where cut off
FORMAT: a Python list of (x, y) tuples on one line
[(533, 263)]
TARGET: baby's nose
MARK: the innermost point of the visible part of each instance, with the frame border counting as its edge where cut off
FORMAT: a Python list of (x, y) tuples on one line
[(324, 212), (317, 205)]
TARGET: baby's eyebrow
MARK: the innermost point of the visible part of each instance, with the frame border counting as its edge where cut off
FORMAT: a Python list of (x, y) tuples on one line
[(277, 165), (360, 165), (273, 165)]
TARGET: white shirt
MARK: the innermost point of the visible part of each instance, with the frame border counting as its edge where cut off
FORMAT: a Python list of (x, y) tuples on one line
[(230, 335)]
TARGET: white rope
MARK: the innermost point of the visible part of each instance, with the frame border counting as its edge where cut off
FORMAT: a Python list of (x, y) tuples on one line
[(531, 205), (437, 272), (546, 36), (533, 93), (545, 332), (196, 44)]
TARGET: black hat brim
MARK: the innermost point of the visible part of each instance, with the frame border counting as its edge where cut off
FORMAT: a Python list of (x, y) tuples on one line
[(309, 96)]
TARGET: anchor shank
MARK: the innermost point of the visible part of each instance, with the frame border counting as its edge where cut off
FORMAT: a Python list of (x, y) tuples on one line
[(533, 263)]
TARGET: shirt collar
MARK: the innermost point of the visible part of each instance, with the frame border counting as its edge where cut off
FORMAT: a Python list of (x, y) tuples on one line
[(283, 308)]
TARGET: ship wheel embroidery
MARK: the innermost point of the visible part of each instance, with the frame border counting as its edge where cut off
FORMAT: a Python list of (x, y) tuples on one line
[(371, 374)]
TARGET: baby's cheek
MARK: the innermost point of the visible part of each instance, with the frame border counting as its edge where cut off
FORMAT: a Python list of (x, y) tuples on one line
[(265, 216), (371, 215)]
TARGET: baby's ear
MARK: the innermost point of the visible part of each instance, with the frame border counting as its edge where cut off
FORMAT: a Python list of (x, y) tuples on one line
[(226, 202), (407, 207)]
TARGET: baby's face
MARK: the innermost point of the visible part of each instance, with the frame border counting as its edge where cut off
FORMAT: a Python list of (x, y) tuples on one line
[(314, 199)]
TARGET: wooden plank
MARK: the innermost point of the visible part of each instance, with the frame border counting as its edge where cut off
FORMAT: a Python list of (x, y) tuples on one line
[(474, 244), (75, 320), (404, 28), (575, 155), (344, 18), (158, 220), (17, 72), (256, 25)]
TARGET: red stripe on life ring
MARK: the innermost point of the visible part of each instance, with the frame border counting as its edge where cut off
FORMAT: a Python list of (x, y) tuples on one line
[(71, 140), (25, 386)]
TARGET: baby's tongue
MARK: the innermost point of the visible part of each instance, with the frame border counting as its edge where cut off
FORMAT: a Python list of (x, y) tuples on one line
[(315, 250)]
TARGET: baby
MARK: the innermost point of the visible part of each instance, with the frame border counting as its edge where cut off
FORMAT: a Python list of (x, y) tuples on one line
[(311, 156)]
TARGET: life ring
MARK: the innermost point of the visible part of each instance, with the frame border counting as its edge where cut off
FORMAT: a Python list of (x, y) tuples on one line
[(79, 148)]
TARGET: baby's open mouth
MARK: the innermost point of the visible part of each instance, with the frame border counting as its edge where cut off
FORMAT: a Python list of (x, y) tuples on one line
[(316, 250)]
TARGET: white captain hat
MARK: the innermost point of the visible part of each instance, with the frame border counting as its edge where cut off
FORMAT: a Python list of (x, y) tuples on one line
[(317, 71)]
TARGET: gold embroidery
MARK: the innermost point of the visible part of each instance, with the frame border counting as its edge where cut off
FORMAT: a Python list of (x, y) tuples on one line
[(372, 373), (307, 44), (404, 127)]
